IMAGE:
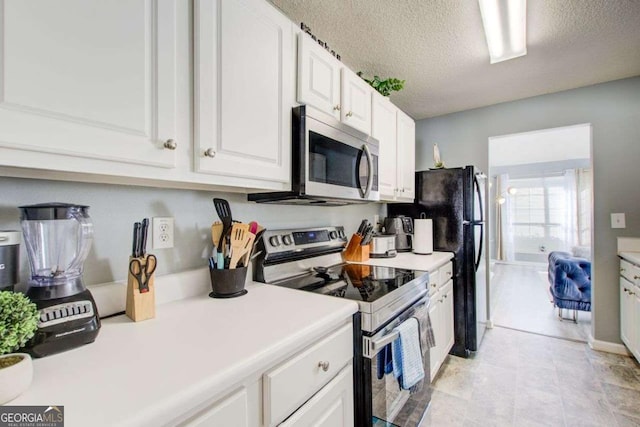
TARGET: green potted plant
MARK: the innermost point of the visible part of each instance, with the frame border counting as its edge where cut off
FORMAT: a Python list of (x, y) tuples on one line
[(18, 323), (384, 87)]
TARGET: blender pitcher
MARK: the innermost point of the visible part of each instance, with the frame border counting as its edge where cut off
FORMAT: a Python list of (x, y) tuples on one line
[(58, 238)]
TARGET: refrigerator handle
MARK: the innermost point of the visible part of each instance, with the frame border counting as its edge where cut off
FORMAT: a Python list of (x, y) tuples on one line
[(477, 185), (479, 258)]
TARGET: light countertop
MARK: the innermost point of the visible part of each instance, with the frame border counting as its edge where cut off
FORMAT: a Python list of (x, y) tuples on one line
[(412, 261), (149, 372)]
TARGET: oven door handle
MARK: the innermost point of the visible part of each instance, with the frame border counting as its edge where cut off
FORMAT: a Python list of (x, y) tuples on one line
[(376, 345), (372, 345), (365, 148)]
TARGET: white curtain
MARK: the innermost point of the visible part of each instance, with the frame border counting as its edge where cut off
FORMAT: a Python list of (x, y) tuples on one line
[(504, 230), (584, 180), (570, 225)]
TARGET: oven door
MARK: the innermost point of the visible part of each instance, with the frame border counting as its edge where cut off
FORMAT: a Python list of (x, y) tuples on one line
[(386, 403), (338, 164)]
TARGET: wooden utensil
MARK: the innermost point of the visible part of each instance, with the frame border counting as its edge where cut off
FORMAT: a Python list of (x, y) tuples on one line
[(239, 235), (216, 233), (248, 249)]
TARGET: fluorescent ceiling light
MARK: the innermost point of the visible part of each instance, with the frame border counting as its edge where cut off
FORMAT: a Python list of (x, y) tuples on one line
[(505, 26)]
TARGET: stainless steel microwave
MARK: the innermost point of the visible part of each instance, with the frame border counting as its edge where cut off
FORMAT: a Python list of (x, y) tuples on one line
[(332, 164)]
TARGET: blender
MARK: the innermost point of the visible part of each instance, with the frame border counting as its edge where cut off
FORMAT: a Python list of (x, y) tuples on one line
[(58, 238)]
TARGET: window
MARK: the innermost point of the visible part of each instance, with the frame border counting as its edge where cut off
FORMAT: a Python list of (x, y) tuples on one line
[(538, 212)]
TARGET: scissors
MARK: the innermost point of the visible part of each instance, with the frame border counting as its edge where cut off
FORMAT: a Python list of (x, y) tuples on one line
[(143, 275)]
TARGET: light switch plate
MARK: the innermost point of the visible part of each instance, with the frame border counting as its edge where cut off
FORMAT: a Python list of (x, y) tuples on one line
[(617, 220)]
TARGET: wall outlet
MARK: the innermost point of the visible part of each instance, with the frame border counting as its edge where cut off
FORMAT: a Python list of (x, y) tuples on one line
[(618, 220), (163, 232)]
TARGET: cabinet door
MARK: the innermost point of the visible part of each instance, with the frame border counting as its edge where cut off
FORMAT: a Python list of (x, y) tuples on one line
[(383, 128), (625, 313), (406, 157), (244, 92), (88, 78), (634, 323), (332, 406), (318, 77), (232, 411), (436, 324), (355, 102), (447, 317)]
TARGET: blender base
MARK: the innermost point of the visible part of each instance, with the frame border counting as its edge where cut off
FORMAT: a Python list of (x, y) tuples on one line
[(65, 323)]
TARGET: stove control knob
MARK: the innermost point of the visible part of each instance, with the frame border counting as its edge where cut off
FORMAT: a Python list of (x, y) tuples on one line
[(341, 234), (287, 240), (333, 235), (274, 240)]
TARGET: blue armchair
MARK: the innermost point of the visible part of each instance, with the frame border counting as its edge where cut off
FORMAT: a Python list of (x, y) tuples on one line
[(570, 282)]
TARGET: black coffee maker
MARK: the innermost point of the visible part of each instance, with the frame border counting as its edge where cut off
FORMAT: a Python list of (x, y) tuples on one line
[(58, 238)]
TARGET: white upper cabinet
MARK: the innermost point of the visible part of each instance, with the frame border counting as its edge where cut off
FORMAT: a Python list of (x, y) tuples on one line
[(318, 77), (244, 89), (406, 136), (383, 128), (90, 79), (355, 105), (327, 85)]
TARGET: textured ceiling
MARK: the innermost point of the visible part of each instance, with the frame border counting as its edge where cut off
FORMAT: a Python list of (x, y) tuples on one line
[(439, 47)]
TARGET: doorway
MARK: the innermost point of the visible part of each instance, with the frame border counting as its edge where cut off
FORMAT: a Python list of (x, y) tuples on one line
[(540, 202)]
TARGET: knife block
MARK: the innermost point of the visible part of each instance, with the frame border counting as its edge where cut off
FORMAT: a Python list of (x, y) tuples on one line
[(140, 306), (354, 251)]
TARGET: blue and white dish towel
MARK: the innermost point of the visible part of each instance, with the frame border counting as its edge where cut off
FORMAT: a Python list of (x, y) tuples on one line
[(407, 356)]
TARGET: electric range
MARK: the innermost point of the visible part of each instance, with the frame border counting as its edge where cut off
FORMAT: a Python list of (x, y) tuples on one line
[(310, 260)]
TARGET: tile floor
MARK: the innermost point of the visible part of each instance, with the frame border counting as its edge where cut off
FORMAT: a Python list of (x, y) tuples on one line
[(520, 299), (523, 379)]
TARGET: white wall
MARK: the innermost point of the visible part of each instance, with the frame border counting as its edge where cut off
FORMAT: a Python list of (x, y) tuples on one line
[(613, 109), (541, 146), (114, 209)]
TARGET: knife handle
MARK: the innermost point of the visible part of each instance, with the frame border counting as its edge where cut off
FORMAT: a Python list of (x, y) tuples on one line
[(143, 238)]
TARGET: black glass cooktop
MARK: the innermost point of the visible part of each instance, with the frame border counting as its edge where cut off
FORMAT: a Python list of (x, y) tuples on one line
[(357, 282)]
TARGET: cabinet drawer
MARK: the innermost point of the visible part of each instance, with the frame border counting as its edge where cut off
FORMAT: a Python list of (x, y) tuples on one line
[(446, 273), (289, 385), (330, 407), (434, 281)]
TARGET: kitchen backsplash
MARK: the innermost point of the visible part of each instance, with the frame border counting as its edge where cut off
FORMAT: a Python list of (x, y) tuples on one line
[(114, 209)]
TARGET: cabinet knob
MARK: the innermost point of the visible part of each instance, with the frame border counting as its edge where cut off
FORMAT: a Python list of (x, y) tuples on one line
[(622, 269), (170, 144), (445, 297), (349, 114), (323, 365), (636, 277), (336, 108), (433, 285), (210, 152)]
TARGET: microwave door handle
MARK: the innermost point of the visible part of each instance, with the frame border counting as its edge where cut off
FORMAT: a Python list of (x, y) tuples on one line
[(365, 148)]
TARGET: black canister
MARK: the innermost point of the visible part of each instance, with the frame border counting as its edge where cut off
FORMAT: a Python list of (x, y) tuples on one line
[(9, 259)]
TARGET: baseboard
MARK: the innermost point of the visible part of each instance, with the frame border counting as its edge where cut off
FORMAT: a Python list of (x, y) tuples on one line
[(608, 347)]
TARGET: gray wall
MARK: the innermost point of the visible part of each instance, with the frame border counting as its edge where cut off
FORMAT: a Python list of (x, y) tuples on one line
[(115, 208), (613, 109)]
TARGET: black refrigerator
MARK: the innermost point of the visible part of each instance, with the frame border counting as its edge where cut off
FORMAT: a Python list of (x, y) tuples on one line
[(454, 199)]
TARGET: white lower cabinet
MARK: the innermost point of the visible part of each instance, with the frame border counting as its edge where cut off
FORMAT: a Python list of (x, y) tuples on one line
[(330, 407), (231, 411), (289, 385), (441, 314), (630, 306), (312, 387)]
